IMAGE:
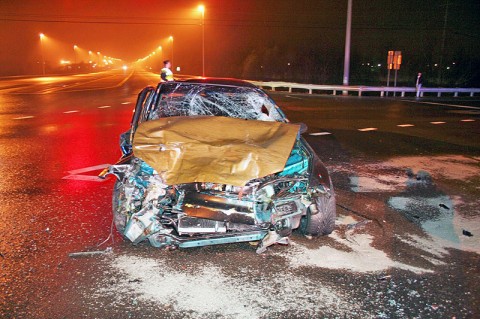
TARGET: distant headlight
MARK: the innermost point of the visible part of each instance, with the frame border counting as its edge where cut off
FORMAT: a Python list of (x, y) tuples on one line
[(125, 67)]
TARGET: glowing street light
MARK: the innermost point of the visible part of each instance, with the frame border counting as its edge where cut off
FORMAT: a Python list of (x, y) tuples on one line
[(75, 47), (41, 50), (201, 9), (171, 39)]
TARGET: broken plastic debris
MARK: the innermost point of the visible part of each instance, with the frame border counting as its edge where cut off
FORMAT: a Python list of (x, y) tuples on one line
[(382, 278), (271, 238), (90, 253), (467, 233), (358, 225)]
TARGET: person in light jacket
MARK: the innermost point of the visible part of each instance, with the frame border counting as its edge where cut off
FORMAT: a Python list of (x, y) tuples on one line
[(418, 83), (166, 74)]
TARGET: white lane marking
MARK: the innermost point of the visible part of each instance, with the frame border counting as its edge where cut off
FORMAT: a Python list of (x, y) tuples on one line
[(437, 123), (125, 103), (405, 125), (294, 97), (445, 104), (73, 111), (367, 129), (24, 117), (467, 120), (104, 107), (320, 133), (76, 174)]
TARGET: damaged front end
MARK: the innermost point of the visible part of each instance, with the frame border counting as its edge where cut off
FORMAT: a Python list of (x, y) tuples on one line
[(201, 214), (191, 178)]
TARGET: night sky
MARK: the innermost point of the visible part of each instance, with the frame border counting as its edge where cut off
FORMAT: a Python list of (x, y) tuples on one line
[(245, 36)]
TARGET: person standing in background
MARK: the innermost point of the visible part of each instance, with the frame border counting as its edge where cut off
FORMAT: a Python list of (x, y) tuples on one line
[(418, 83), (166, 74)]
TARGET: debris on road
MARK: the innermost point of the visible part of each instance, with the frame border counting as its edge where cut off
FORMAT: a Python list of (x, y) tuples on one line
[(108, 250), (359, 224), (444, 206), (383, 278), (467, 233)]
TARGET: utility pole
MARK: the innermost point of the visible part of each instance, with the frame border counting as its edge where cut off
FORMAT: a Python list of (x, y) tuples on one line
[(442, 51), (348, 33)]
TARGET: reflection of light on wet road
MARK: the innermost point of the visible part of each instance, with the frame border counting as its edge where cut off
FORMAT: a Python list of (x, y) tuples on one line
[(104, 107), (49, 129), (367, 129), (415, 195), (437, 123), (467, 120), (430, 213), (405, 125), (69, 112)]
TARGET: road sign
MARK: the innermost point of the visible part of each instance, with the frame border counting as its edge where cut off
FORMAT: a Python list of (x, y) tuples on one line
[(394, 60)]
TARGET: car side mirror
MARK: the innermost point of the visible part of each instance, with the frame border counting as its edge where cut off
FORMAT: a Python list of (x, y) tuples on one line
[(303, 127)]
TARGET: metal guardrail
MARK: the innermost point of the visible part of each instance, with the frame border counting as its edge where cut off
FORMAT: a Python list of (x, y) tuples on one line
[(383, 90)]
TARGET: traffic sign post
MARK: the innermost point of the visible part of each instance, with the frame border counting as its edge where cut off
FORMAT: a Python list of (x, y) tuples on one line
[(394, 60)]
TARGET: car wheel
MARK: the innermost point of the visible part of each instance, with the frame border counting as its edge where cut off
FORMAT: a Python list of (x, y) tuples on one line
[(119, 211), (323, 222)]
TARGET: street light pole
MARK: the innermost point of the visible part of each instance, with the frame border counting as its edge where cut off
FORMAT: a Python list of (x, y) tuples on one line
[(201, 8), (171, 39), (41, 51), (348, 32)]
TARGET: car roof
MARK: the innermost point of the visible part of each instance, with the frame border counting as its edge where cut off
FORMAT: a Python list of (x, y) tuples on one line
[(221, 81)]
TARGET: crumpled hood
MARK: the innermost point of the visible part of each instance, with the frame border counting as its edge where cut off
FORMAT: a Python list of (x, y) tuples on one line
[(214, 149)]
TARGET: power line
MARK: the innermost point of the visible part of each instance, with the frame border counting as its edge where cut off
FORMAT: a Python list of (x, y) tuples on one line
[(225, 23)]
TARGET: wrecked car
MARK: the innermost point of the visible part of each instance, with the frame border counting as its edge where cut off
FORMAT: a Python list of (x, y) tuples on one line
[(216, 161)]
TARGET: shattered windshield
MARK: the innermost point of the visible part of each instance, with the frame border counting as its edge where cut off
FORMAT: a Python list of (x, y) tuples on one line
[(190, 99)]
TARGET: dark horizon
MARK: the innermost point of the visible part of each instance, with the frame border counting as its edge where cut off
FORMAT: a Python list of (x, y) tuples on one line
[(294, 41)]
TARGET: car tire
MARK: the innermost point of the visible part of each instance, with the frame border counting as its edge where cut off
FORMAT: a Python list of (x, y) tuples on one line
[(119, 212), (323, 222)]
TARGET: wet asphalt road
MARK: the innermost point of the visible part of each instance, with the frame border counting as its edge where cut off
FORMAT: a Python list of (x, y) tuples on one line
[(406, 173)]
